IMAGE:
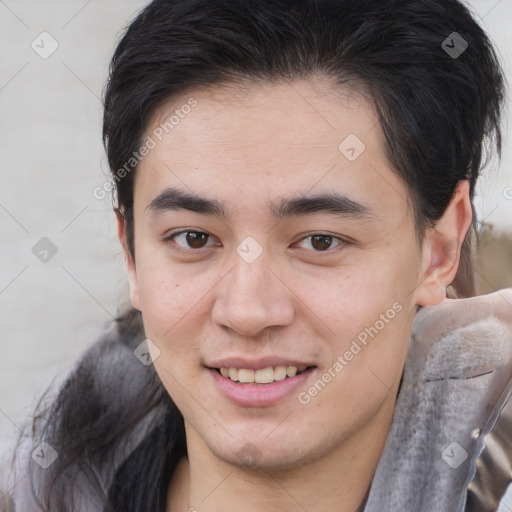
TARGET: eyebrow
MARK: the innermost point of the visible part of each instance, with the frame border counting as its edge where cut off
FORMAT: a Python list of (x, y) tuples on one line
[(333, 203)]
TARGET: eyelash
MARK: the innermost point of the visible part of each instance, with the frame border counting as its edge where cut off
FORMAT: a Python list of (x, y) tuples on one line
[(183, 250)]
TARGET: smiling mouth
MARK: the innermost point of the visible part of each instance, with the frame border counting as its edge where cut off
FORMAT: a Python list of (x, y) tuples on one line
[(263, 376)]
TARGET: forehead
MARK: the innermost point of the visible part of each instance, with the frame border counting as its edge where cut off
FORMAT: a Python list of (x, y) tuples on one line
[(269, 139), (284, 112)]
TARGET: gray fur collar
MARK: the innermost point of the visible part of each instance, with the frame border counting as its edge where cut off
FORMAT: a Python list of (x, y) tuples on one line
[(457, 379)]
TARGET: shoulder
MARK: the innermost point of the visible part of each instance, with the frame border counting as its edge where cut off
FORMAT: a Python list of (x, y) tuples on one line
[(88, 426)]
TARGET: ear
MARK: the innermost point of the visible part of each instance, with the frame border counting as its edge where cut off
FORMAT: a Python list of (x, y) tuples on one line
[(442, 248), (128, 259)]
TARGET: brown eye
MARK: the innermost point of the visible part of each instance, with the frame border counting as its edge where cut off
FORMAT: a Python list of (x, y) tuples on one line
[(321, 242), (190, 239), (196, 239)]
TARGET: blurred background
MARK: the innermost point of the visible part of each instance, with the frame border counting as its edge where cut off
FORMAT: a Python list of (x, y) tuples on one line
[(62, 275)]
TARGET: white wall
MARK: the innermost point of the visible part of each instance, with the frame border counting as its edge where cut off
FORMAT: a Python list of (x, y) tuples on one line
[(52, 159)]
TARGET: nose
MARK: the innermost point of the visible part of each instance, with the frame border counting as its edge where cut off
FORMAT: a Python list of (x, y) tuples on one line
[(253, 297)]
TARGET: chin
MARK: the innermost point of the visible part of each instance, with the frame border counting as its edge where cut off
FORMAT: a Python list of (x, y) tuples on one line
[(261, 455)]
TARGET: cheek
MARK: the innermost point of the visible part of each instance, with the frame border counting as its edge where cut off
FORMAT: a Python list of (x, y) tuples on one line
[(175, 300), (351, 299), (364, 369), (182, 382), (366, 317), (171, 294)]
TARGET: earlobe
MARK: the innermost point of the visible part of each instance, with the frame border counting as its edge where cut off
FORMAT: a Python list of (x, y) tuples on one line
[(128, 259), (442, 248)]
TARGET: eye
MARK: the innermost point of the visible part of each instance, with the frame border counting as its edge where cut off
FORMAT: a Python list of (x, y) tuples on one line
[(189, 239), (322, 242)]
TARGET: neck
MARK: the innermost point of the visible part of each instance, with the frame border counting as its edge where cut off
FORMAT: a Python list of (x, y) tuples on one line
[(338, 481)]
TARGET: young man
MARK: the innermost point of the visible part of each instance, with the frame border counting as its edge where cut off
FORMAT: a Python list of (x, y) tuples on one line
[(294, 184)]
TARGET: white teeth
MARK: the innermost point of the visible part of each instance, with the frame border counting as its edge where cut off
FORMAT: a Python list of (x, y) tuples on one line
[(280, 373), (246, 376), (291, 371), (263, 376)]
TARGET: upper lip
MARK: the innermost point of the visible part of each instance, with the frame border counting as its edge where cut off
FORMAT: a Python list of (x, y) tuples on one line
[(256, 364)]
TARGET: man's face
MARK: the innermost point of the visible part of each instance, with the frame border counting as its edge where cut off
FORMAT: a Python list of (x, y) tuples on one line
[(327, 287)]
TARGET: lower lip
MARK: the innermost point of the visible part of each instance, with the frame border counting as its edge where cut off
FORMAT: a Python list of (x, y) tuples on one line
[(259, 395)]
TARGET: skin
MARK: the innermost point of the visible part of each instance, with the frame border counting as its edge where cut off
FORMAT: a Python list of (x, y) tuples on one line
[(298, 299)]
